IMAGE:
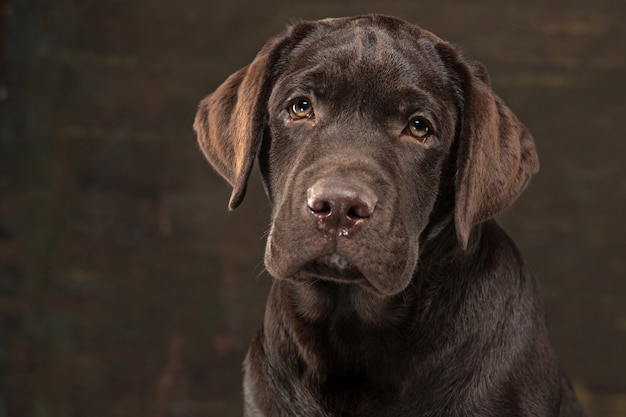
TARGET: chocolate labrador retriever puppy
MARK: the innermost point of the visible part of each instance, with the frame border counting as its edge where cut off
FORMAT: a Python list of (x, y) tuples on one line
[(385, 155)]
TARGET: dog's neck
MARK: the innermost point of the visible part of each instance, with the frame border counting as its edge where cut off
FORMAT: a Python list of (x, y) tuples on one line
[(351, 325)]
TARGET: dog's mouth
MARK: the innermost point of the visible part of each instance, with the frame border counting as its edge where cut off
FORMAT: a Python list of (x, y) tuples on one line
[(335, 268)]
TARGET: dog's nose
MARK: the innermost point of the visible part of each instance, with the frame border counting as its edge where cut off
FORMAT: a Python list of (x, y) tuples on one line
[(340, 206)]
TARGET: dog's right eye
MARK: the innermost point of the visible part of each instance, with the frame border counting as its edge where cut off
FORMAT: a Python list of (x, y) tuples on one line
[(301, 108)]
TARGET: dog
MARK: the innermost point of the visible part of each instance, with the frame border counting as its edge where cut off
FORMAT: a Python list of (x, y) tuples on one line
[(385, 155)]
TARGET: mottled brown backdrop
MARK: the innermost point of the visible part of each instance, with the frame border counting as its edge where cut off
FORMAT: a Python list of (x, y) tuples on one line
[(126, 289)]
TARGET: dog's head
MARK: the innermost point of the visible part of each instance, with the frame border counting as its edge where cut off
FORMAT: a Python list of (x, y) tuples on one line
[(372, 135)]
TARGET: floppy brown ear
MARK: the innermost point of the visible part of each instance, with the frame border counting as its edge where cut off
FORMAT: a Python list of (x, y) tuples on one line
[(229, 124), (496, 155), (231, 121)]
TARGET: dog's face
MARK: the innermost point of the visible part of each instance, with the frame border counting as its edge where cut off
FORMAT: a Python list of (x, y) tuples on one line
[(371, 134), (359, 119)]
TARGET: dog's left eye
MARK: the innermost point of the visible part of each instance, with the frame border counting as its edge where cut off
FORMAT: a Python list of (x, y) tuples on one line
[(419, 128), (301, 108)]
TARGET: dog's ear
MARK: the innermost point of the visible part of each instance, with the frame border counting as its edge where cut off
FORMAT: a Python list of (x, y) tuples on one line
[(496, 154), (230, 122)]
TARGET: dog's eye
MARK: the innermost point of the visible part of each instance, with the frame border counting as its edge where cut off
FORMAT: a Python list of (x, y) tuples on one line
[(301, 108), (418, 128)]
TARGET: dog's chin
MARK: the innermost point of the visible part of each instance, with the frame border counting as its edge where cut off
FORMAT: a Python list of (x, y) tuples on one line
[(334, 268)]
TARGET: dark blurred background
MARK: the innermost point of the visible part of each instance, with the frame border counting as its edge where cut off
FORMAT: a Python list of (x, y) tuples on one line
[(126, 289)]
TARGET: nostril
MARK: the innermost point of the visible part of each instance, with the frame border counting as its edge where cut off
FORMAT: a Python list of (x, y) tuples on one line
[(358, 212), (319, 207)]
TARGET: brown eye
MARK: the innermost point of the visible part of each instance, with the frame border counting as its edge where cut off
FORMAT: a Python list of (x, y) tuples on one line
[(419, 128), (301, 108)]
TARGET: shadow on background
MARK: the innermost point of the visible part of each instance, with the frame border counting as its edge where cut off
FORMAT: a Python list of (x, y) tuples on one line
[(127, 289)]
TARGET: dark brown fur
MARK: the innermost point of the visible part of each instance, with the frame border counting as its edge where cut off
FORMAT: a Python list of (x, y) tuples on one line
[(395, 292)]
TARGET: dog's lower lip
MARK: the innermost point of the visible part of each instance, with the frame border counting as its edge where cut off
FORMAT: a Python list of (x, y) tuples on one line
[(337, 261), (335, 268)]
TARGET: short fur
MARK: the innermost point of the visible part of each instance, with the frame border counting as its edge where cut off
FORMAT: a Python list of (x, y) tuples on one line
[(395, 292)]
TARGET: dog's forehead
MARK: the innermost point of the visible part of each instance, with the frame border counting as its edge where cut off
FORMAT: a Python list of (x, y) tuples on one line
[(366, 52)]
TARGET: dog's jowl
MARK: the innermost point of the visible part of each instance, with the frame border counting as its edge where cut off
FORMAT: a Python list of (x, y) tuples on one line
[(385, 155)]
